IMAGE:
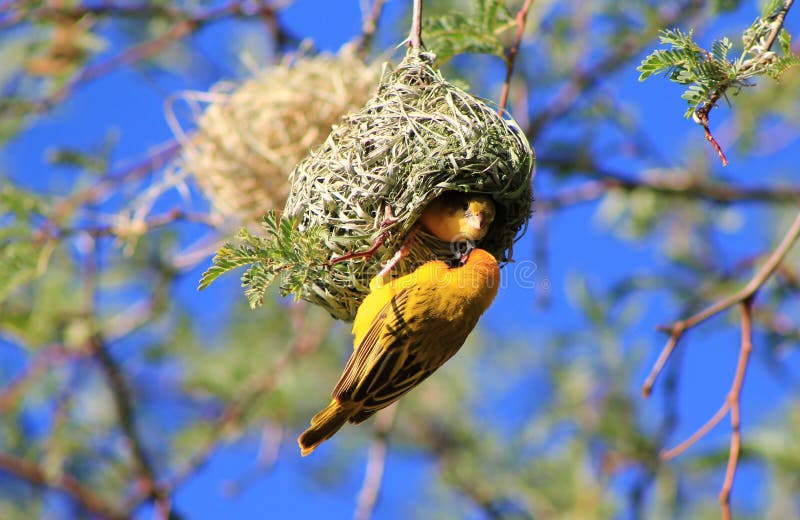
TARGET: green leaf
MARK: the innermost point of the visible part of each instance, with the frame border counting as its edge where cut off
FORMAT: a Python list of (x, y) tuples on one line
[(479, 33), (720, 49), (722, 6), (228, 258), (675, 63), (21, 203), (771, 9), (286, 251), (493, 14), (679, 39), (785, 41), (76, 158), (710, 74), (19, 263), (256, 280), (22, 259), (780, 65)]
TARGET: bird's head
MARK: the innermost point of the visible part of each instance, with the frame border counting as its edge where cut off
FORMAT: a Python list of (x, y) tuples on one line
[(457, 216), (479, 213)]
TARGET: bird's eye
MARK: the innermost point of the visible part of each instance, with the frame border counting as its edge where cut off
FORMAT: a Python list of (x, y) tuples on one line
[(464, 206)]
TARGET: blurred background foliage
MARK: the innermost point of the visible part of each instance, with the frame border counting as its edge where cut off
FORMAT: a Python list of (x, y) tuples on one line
[(122, 388)]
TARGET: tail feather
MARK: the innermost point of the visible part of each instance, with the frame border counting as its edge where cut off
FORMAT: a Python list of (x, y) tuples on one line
[(325, 424)]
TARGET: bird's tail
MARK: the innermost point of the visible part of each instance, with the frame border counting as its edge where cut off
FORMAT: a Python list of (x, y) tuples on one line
[(323, 425)]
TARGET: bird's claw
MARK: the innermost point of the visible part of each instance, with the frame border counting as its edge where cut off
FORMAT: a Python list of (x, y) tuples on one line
[(388, 220)]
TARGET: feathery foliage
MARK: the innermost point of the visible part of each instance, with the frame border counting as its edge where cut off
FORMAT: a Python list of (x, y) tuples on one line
[(281, 251), (20, 258), (477, 33), (710, 74)]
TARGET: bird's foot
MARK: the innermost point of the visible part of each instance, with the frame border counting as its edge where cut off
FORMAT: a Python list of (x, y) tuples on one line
[(388, 220)]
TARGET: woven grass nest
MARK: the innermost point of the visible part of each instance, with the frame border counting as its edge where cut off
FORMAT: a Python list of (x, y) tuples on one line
[(251, 135), (416, 138)]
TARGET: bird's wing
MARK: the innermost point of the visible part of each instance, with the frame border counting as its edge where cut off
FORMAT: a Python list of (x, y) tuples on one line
[(381, 350), (402, 368), (401, 348)]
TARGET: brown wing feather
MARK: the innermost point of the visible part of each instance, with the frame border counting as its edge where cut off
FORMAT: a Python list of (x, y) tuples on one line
[(396, 354), (403, 345), (371, 350)]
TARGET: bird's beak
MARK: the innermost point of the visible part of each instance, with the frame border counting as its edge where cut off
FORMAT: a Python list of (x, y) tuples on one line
[(476, 221), (464, 249)]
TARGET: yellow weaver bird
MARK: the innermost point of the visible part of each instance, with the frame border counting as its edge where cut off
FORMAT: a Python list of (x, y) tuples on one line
[(453, 216), (456, 215), (404, 330)]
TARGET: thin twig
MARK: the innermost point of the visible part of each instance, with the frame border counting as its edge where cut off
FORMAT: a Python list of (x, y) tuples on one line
[(60, 414), (49, 13), (734, 400), (134, 54), (701, 116), (511, 57), (306, 341), (184, 23), (123, 404), (677, 329), (698, 434), (658, 366), (670, 185), (415, 36), (125, 230), (122, 399), (11, 393), (154, 159), (376, 462), (369, 26), (588, 77), (388, 221), (669, 421), (268, 452), (732, 405), (37, 476), (778, 24), (168, 12)]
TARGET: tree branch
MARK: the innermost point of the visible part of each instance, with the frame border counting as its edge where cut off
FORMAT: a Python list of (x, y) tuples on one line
[(415, 36), (373, 476), (587, 78), (183, 24), (13, 391), (306, 341), (123, 404), (37, 476), (698, 434), (732, 405), (154, 159), (123, 231), (717, 193), (97, 347), (370, 25), (511, 57), (677, 329), (734, 400), (701, 117)]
